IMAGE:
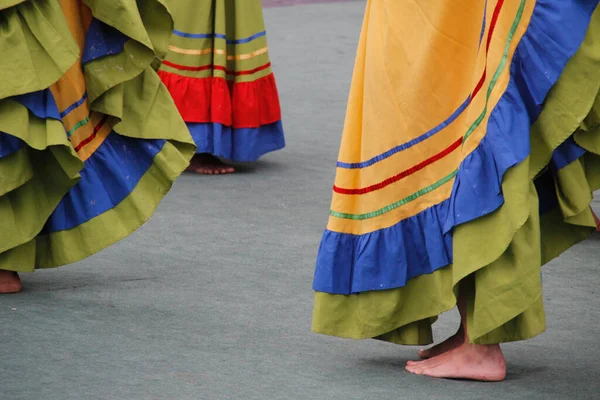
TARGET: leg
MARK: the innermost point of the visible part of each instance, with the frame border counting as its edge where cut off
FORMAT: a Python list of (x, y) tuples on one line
[(465, 361), (451, 343), (597, 221), (207, 164), (9, 282)]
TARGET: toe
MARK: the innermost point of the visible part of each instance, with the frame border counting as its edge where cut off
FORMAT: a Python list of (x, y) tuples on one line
[(410, 367), (413, 369)]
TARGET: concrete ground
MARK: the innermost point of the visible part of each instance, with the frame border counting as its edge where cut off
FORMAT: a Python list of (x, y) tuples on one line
[(212, 298)]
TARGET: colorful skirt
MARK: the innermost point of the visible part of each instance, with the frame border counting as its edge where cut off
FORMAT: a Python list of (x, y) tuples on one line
[(219, 74), (468, 159), (90, 140)]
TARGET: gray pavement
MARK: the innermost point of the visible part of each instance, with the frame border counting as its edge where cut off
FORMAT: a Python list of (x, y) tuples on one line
[(212, 298)]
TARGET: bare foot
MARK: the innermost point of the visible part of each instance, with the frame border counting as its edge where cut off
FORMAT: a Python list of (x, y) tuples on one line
[(207, 164), (9, 282), (449, 344), (597, 222), (467, 361)]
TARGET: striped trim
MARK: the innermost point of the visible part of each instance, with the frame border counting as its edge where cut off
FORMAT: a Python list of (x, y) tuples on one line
[(498, 72), (407, 145), (78, 125), (248, 56), (250, 72), (487, 46), (74, 106), (402, 174), (90, 138), (219, 36), (199, 35), (248, 40), (196, 52), (189, 68), (484, 22), (450, 119), (217, 68), (493, 82), (391, 207), (192, 52)]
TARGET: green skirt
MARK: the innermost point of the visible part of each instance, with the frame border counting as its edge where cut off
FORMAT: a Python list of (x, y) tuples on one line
[(219, 73), (90, 139), (496, 258)]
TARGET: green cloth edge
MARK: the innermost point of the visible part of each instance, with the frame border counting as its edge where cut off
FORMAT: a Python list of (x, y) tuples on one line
[(500, 254)]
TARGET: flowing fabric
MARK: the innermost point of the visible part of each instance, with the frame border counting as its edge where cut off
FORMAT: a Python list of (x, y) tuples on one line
[(219, 74), (90, 140), (469, 156)]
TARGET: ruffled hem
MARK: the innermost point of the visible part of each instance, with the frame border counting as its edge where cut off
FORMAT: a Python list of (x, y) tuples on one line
[(477, 190), (384, 259), (129, 168), (26, 32), (29, 123), (238, 145), (108, 177), (36, 176), (71, 245), (240, 105)]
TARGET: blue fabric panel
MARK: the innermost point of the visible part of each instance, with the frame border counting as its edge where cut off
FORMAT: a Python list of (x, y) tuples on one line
[(566, 153), (102, 40), (241, 145), (9, 144), (42, 105), (388, 258), (107, 178), (384, 259), (538, 62)]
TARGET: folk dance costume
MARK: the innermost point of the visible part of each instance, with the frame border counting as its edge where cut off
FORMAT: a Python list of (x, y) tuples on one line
[(469, 157), (90, 140)]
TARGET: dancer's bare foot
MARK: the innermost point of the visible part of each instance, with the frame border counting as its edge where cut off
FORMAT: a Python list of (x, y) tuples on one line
[(449, 344), (9, 282), (467, 361), (208, 164)]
